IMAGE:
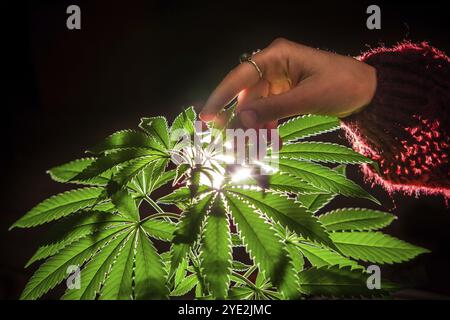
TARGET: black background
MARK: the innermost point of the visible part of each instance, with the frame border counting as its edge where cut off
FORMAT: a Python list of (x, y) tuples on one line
[(65, 90)]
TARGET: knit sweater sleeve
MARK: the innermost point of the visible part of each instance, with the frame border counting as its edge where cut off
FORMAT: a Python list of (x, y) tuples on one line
[(405, 129)]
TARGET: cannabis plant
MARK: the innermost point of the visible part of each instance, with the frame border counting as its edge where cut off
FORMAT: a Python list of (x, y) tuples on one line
[(210, 235)]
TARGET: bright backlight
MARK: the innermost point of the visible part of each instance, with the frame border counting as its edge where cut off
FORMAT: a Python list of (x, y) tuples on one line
[(241, 174)]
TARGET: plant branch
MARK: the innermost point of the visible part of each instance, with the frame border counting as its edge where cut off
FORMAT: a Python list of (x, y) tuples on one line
[(243, 278), (153, 204), (250, 270), (162, 215)]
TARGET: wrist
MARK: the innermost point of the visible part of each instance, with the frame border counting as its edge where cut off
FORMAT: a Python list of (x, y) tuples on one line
[(371, 84), (369, 88)]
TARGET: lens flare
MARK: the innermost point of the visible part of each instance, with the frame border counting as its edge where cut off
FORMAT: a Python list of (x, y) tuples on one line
[(241, 174)]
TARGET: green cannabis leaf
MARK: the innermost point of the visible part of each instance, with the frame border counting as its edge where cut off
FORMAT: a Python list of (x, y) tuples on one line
[(110, 228)]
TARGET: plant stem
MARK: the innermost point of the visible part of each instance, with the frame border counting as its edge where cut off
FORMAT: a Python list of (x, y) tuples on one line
[(153, 204), (163, 215), (243, 278), (250, 271)]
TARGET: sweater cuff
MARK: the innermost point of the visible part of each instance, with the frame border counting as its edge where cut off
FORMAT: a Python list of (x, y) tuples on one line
[(405, 127)]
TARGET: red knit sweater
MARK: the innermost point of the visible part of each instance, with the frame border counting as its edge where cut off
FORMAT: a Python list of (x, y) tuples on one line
[(406, 127)]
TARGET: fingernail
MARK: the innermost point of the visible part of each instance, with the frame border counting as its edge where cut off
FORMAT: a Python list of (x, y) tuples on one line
[(206, 117), (248, 118)]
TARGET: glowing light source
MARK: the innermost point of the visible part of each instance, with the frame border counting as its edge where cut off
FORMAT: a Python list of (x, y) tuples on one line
[(214, 163), (241, 174), (214, 179), (266, 168), (228, 145), (224, 158)]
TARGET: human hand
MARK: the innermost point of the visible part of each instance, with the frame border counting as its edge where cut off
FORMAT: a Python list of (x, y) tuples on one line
[(296, 79)]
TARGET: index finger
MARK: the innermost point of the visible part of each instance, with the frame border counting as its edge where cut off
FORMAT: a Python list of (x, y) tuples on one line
[(243, 76)]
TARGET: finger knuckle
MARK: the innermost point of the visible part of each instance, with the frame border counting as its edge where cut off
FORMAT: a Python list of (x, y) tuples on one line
[(280, 41), (279, 49)]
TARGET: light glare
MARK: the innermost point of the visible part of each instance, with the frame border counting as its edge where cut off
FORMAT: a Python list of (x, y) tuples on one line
[(241, 174)]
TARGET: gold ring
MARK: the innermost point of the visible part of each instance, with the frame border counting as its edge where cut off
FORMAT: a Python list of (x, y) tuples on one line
[(248, 58)]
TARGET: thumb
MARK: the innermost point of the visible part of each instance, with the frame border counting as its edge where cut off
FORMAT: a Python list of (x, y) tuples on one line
[(254, 113), (303, 99)]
